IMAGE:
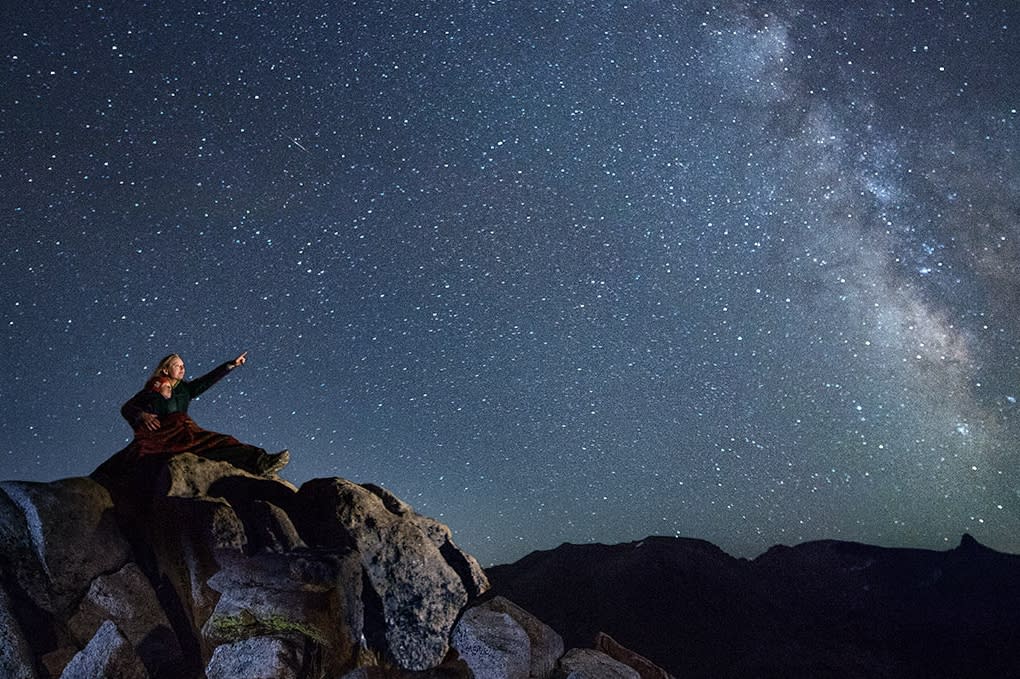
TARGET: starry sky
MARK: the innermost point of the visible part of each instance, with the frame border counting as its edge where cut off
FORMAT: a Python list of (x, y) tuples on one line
[(550, 271)]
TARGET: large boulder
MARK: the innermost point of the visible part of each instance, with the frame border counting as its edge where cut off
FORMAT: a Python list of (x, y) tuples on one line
[(126, 598), (257, 658), (617, 651), (587, 663), (109, 655), (205, 532), (19, 564), (189, 475), (15, 653), (493, 644), (271, 529), (546, 643), (413, 595), (315, 596), (475, 581), (57, 537)]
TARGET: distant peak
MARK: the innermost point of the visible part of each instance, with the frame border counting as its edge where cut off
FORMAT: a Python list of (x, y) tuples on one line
[(968, 542)]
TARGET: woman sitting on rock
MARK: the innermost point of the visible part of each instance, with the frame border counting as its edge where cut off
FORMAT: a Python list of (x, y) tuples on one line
[(159, 416)]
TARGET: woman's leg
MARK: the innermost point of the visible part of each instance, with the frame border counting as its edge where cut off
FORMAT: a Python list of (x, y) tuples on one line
[(252, 459)]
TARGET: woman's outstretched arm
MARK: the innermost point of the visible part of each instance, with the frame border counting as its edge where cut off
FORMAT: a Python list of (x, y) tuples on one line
[(200, 384)]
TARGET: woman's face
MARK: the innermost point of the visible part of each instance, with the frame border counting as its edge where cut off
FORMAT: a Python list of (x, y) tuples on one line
[(175, 370)]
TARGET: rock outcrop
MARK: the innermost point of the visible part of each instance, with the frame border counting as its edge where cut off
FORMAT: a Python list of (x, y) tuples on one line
[(188, 568)]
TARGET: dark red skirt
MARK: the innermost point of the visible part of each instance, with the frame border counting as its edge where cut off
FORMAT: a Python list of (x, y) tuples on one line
[(178, 433)]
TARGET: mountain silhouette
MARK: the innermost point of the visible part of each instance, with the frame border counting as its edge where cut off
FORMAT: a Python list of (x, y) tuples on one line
[(820, 609)]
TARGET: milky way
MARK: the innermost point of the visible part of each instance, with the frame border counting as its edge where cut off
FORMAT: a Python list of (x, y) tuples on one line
[(550, 272)]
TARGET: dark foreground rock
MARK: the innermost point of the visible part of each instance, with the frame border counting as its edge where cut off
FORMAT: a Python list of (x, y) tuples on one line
[(187, 568), (821, 609)]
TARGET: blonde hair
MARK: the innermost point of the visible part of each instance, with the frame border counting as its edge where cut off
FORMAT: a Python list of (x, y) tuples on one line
[(161, 367)]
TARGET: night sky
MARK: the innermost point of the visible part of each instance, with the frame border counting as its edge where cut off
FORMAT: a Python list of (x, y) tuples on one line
[(549, 271)]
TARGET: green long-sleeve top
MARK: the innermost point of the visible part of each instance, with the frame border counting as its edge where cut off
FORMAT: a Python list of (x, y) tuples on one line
[(148, 401)]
